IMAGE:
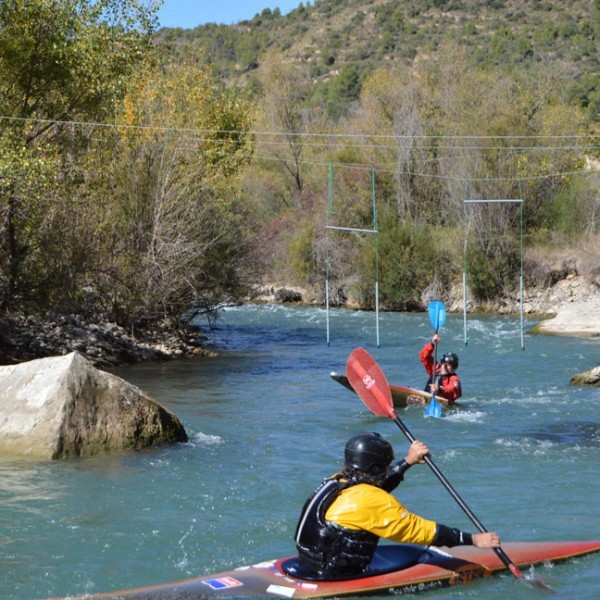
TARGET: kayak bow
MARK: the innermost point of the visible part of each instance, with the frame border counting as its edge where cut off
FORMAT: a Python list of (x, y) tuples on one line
[(396, 568), (402, 396)]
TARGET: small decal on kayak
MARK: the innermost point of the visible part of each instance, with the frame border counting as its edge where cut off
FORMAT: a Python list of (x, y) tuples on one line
[(303, 585), (469, 573), (414, 399), (280, 590), (222, 582), (267, 564)]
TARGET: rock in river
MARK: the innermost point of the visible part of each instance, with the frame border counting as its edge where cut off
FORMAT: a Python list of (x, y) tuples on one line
[(62, 407), (589, 378)]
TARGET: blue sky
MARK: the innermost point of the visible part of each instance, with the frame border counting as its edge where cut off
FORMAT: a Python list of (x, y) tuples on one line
[(190, 13)]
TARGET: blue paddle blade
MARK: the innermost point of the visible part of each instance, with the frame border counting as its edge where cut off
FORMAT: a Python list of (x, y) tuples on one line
[(437, 314), (434, 409)]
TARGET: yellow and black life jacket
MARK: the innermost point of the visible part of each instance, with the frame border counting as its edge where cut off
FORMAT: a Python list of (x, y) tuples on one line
[(324, 548)]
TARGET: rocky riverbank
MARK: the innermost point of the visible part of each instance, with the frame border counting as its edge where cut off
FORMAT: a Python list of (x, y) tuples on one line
[(103, 344), (571, 307)]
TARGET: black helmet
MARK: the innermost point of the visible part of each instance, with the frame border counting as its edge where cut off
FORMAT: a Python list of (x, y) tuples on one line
[(451, 359), (368, 452)]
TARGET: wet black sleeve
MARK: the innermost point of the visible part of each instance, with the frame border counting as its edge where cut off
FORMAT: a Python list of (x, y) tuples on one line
[(395, 476), (447, 536)]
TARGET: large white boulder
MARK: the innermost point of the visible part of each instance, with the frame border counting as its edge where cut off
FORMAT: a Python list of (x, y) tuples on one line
[(62, 407)]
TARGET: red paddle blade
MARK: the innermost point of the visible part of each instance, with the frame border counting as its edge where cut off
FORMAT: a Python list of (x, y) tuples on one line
[(370, 383)]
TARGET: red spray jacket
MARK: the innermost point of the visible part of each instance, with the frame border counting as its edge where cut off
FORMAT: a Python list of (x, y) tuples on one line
[(449, 385)]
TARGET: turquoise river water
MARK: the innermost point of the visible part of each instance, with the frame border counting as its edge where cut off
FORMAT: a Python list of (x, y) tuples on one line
[(266, 424)]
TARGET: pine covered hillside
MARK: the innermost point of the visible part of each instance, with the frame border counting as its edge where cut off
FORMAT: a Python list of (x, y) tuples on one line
[(343, 41), (420, 104)]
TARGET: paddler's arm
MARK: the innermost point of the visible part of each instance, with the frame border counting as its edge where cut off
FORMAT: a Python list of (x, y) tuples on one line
[(416, 453), (449, 536), (426, 357)]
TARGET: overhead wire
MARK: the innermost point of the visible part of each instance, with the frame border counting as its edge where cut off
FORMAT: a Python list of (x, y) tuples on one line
[(187, 138)]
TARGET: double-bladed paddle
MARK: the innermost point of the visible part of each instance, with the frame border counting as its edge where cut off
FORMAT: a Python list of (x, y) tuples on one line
[(372, 387), (437, 316)]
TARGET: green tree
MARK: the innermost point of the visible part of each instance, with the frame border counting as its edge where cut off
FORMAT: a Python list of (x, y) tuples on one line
[(173, 239), (408, 262), (61, 61), (283, 116)]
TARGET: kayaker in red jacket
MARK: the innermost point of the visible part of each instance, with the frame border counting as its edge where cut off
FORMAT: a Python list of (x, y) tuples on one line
[(447, 383)]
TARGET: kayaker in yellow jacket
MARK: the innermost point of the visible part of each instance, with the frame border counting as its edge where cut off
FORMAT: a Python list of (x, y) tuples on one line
[(342, 521)]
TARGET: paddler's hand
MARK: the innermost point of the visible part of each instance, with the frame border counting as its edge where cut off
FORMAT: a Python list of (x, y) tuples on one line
[(416, 453), (489, 539)]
